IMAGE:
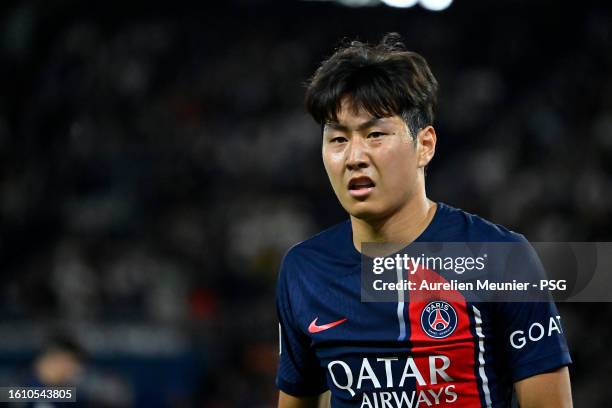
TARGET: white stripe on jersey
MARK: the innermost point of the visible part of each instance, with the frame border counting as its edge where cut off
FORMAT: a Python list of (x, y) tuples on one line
[(400, 307), (481, 368)]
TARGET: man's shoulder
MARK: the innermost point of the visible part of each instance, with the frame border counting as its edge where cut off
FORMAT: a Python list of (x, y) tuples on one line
[(330, 240), (328, 253), (461, 225)]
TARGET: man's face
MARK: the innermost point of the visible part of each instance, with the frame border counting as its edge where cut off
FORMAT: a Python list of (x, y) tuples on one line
[(371, 162)]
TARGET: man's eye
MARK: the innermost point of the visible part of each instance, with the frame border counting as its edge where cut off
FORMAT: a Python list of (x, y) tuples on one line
[(375, 135), (337, 139)]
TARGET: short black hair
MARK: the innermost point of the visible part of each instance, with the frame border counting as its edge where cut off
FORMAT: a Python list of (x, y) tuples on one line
[(384, 79), (65, 343)]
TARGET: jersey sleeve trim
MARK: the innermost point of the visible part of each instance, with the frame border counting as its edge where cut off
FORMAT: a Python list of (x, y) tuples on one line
[(298, 390), (541, 365)]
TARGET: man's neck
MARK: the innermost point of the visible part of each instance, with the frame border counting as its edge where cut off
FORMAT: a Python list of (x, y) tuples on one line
[(403, 227)]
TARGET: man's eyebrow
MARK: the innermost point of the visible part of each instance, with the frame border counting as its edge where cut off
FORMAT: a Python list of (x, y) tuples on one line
[(364, 125)]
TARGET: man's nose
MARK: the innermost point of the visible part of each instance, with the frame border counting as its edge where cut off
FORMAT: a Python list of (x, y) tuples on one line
[(357, 155)]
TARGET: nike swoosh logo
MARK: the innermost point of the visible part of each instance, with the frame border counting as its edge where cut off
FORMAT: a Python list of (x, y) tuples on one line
[(314, 328)]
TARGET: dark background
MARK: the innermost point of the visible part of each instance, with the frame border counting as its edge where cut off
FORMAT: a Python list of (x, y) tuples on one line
[(156, 163)]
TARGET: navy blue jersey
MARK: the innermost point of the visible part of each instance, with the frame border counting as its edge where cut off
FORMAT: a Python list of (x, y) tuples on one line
[(379, 355)]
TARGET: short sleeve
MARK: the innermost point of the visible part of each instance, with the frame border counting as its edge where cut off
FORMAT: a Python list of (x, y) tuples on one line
[(534, 339), (299, 373), (533, 330)]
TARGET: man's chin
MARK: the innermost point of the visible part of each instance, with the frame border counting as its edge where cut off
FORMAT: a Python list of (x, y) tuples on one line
[(365, 212)]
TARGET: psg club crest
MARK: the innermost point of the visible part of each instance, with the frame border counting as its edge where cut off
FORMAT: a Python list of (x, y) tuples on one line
[(438, 319)]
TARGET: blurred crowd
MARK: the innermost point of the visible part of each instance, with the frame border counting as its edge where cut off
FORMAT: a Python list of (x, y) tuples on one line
[(156, 163)]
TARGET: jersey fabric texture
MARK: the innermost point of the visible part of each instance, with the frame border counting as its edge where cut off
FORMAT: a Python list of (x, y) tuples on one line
[(380, 355)]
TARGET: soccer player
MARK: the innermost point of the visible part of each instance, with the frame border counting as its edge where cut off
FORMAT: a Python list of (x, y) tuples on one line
[(375, 105)]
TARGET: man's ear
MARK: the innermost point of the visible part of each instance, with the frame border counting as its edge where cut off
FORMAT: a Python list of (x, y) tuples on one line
[(426, 145)]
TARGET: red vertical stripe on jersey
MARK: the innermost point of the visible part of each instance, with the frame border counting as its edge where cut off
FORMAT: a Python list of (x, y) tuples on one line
[(458, 346)]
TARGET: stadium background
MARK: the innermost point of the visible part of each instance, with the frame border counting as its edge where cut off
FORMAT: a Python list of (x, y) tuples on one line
[(156, 162)]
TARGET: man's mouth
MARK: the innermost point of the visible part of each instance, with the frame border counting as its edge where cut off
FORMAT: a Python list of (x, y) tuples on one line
[(360, 186)]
